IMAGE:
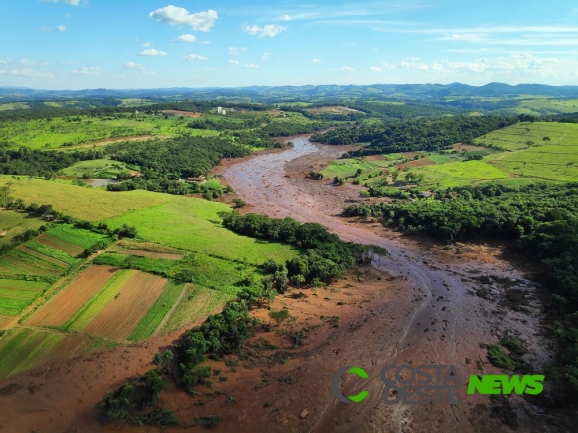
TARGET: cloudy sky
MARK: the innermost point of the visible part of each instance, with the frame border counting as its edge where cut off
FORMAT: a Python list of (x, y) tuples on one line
[(75, 44)]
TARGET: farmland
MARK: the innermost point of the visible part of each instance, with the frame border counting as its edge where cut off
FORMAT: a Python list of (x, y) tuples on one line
[(68, 301), (193, 225), (85, 203), (16, 223), (15, 295), (73, 130), (122, 314)]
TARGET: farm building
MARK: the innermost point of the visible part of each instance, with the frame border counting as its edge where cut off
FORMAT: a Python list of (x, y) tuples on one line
[(200, 179)]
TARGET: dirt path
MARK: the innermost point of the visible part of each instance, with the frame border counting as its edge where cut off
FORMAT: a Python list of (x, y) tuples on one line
[(445, 324), (110, 141)]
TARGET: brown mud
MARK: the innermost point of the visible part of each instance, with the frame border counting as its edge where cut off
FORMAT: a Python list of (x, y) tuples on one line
[(416, 306)]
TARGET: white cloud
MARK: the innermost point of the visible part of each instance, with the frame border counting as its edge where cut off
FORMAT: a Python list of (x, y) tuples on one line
[(265, 56), (416, 66), (61, 28), (195, 57), (33, 63), (211, 69), (148, 73), (200, 21), (375, 49), (68, 63), (233, 62), (205, 42), (134, 65), (118, 76), (68, 2), (30, 73), (375, 69), (387, 65), (285, 17), (415, 59), (251, 66), (147, 45), (316, 61), (152, 52), (234, 51), (185, 38), (94, 70), (267, 30), (347, 68), (436, 67), (5, 61)]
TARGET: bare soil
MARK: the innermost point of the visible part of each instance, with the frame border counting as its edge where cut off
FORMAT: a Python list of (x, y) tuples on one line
[(183, 113)]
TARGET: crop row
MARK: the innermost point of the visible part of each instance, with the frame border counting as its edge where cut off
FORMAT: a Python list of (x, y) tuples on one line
[(59, 244), (96, 304), (52, 252), (155, 315), (79, 237)]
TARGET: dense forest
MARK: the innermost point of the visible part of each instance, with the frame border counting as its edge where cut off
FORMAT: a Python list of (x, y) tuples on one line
[(542, 221), (326, 256), (422, 134), (29, 162)]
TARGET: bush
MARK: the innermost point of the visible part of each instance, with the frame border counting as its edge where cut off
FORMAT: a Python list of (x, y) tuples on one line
[(499, 358)]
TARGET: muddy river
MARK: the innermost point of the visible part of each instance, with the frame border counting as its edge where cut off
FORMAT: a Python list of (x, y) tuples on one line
[(443, 322)]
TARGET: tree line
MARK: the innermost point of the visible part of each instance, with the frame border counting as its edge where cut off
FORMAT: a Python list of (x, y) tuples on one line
[(414, 135)]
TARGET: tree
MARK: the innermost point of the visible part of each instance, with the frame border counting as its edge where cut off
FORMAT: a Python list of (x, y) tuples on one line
[(154, 385), (298, 280), (5, 198), (279, 316)]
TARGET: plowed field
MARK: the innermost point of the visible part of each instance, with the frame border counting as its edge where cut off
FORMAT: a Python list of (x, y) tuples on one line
[(43, 256), (62, 306), (118, 319), (59, 244)]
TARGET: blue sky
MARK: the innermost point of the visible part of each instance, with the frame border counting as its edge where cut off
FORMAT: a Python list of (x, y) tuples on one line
[(76, 44)]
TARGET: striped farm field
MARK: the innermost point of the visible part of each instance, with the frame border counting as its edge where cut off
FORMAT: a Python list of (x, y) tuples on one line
[(197, 303), (24, 349), (16, 295), (68, 301), (71, 346), (79, 237), (60, 255), (96, 304), (18, 262), (155, 315), (120, 316), (43, 256), (59, 244), (5, 320)]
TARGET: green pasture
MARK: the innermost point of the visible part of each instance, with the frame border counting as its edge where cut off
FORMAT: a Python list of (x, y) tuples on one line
[(526, 135), (95, 169), (73, 130), (348, 167), (198, 302), (193, 225), (16, 223), (16, 295), (90, 204)]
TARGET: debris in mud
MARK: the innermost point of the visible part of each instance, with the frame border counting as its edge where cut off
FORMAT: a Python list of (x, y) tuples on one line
[(505, 413), (304, 414)]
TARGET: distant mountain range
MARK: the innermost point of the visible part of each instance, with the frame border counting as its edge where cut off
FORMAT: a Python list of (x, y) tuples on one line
[(431, 92)]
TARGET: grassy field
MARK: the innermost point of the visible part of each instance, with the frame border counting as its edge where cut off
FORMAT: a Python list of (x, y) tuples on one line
[(84, 203), (16, 223), (197, 303), (348, 166), (526, 135), (69, 131), (192, 224), (95, 169), (15, 295)]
